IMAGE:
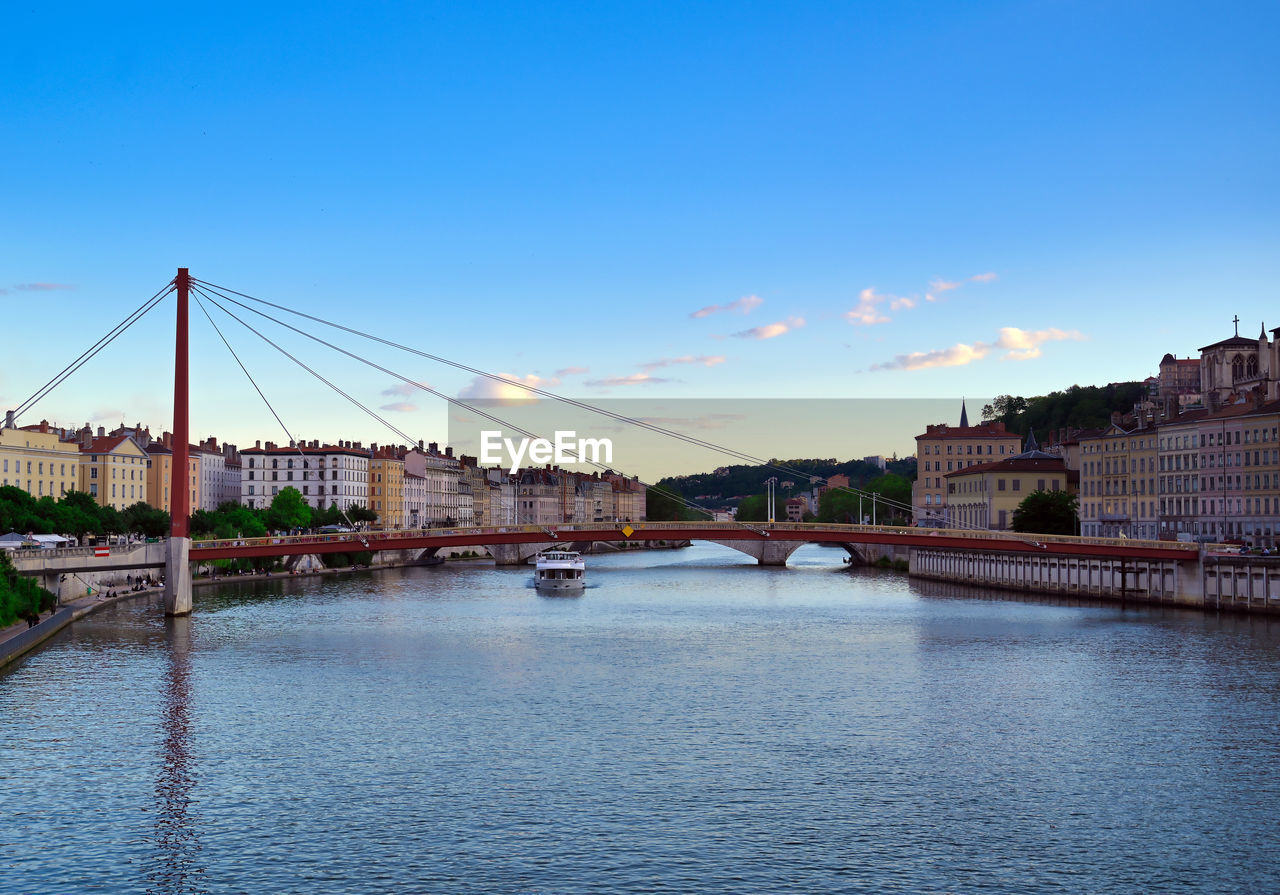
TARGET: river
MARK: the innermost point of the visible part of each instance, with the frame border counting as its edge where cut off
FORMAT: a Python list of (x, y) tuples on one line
[(692, 723)]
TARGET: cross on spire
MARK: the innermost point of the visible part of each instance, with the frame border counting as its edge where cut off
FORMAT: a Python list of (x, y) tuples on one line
[(1236, 321)]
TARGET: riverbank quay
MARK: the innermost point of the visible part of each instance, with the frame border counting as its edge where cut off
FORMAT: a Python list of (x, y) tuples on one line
[(1210, 582), (19, 639)]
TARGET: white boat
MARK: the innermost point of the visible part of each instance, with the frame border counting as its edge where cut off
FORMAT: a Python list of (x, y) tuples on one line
[(560, 572)]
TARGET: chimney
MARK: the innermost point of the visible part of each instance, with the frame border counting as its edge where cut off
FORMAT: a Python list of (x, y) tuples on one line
[(102, 431), (434, 448), (86, 436), (419, 444), (448, 451), (257, 445)]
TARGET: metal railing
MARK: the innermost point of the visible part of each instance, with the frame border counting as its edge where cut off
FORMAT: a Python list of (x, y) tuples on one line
[(563, 531)]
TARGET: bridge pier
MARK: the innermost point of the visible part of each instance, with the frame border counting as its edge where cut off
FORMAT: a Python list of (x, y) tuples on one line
[(177, 577), (515, 554), (767, 552)]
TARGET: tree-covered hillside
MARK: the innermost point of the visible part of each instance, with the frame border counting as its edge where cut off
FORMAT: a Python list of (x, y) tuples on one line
[(1080, 407), (726, 486)]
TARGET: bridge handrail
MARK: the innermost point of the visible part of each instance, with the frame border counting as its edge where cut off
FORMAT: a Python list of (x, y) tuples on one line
[(117, 550), (563, 530)]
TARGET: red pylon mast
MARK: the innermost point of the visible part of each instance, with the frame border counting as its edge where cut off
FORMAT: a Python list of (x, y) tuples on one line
[(179, 485)]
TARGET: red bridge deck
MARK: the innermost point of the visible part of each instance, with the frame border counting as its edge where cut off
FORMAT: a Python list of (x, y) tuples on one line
[(814, 533)]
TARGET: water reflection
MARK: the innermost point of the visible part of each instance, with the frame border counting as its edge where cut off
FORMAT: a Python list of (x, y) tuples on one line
[(176, 869)]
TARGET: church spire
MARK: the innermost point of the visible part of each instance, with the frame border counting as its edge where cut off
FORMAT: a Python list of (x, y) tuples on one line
[(964, 415), (1032, 444)]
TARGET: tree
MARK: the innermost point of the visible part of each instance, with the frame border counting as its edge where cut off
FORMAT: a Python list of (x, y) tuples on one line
[(146, 520), (1046, 512), (241, 522), (19, 596), (110, 520), (18, 510), (663, 506), (358, 513), (288, 511), (893, 494), (753, 509), (82, 514)]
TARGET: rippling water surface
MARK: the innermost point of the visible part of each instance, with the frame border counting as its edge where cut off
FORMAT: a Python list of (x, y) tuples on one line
[(691, 724)]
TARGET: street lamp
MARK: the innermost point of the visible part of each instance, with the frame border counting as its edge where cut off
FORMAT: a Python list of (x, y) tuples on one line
[(771, 482)]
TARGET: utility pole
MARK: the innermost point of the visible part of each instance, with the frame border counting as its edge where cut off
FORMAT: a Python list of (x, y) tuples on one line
[(177, 578)]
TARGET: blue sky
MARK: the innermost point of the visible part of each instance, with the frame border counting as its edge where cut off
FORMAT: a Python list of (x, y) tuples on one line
[(876, 200)]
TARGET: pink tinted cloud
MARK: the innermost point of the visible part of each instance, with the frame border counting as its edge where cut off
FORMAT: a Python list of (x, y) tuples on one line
[(705, 360), (1017, 344), (771, 330), (633, 379), (866, 312), (744, 305)]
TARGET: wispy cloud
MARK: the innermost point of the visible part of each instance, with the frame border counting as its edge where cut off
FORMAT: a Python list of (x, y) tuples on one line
[(42, 287), (106, 415), (744, 305), (572, 371), (508, 391), (400, 407), (633, 379), (1017, 344), (771, 330), (937, 285), (705, 360), (403, 389)]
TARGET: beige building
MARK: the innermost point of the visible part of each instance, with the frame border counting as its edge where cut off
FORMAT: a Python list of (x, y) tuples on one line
[(944, 449), (159, 464), (985, 495), (630, 497), (38, 460), (481, 503), (113, 470), (386, 487), (1118, 483)]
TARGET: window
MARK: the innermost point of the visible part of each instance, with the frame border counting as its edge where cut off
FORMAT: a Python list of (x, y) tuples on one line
[(999, 484), (1017, 484)]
